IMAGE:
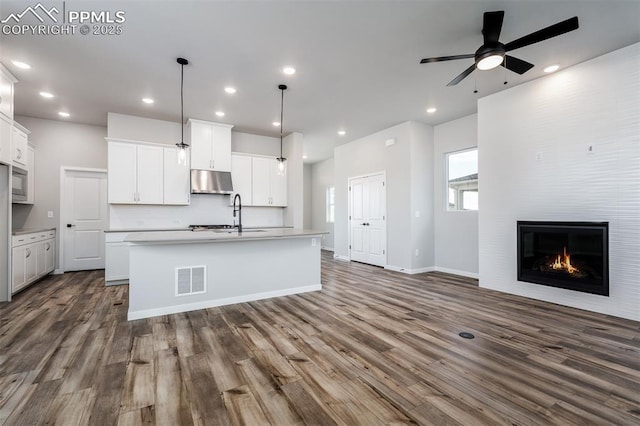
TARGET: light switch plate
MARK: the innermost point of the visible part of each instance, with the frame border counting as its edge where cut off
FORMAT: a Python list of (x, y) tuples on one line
[(49, 214)]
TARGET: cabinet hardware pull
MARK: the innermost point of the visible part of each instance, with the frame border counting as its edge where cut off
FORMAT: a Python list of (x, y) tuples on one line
[(28, 252)]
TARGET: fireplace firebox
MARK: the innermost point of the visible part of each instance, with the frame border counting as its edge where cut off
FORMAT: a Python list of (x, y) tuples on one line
[(570, 255)]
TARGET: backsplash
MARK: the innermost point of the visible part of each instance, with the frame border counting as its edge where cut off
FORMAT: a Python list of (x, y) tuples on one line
[(204, 209)]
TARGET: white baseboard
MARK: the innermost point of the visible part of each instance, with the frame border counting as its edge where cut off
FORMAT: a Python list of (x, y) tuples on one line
[(58, 271), (327, 248), (342, 258), (174, 309), (457, 272), (410, 271)]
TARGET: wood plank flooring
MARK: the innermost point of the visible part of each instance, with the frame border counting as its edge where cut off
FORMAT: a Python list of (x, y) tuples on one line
[(374, 347)]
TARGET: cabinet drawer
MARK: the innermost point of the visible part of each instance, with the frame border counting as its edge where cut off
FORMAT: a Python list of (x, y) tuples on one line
[(20, 240)]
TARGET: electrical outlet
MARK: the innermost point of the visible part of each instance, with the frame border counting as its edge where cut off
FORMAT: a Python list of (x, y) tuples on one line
[(417, 252), (49, 214), (314, 242)]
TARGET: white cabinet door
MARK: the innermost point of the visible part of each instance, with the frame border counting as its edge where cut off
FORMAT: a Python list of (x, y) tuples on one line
[(241, 174), (221, 146), (261, 182), (177, 182), (19, 142), (150, 174), (201, 146), (6, 92), (41, 261), (122, 173), (30, 259), (18, 265), (5, 141), (49, 255), (278, 185), (117, 257)]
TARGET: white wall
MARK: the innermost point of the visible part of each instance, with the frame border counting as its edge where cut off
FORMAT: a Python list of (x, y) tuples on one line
[(534, 164), (306, 172), (322, 177), (370, 155), (292, 151), (57, 143), (456, 232)]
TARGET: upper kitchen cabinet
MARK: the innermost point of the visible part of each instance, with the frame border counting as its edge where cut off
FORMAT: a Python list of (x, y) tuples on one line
[(7, 80), (135, 173), (268, 187), (210, 145), (177, 183), (19, 143)]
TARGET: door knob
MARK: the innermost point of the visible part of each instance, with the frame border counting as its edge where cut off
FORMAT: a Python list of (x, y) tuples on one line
[(70, 225)]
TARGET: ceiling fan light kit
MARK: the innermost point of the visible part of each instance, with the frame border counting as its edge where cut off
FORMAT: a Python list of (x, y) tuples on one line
[(493, 53)]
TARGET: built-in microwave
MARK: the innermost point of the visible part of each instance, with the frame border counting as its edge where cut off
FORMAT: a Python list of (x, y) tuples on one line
[(19, 179)]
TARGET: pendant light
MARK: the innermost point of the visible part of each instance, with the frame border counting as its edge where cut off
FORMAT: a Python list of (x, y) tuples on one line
[(281, 159), (182, 147)]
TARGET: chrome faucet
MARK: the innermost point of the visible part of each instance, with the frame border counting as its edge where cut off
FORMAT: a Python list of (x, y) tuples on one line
[(239, 210)]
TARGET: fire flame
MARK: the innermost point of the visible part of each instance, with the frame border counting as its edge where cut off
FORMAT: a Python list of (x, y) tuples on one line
[(563, 261)]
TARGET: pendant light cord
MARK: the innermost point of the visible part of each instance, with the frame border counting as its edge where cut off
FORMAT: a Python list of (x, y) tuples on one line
[(281, 118), (182, 102)]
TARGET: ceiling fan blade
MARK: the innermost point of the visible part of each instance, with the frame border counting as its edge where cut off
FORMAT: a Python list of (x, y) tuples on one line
[(462, 76), (516, 65), (544, 34), (446, 58), (492, 26)]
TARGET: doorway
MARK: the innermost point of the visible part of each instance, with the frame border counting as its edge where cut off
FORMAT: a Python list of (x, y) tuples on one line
[(83, 218), (367, 219)]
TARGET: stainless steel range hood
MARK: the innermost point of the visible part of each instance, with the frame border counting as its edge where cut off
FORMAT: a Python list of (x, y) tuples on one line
[(211, 182)]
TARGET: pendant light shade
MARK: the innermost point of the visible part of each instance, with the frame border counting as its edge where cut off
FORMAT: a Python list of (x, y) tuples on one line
[(281, 159), (182, 146)]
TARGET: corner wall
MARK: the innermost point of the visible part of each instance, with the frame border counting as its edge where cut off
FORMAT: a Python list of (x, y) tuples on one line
[(456, 232), (322, 177), (535, 164)]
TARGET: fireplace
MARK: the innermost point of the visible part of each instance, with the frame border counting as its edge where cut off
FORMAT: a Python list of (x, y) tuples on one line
[(570, 255)]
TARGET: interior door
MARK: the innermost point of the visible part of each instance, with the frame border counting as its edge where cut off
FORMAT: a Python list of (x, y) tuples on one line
[(84, 212), (367, 219), (357, 221)]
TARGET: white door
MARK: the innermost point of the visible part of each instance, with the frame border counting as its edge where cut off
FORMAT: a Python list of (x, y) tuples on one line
[(83, 208), (367, 219)]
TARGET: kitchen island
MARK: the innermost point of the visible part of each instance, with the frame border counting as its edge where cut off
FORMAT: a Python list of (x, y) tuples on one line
[(180, 271)]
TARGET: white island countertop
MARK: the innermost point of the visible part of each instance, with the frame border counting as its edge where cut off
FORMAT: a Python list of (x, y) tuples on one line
[(225, 235)]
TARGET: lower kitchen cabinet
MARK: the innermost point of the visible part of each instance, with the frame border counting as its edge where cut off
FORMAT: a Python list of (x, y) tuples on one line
[(32, 257), (116, 269)]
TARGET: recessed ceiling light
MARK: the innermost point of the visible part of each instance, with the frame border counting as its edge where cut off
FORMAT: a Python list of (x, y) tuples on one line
[(230, 90), (551, 68), (46, 94), (22, 65), (431, 110), (64, 114), (342, 132), (276, 123), (148, 100), (289, 70), (220, 113)]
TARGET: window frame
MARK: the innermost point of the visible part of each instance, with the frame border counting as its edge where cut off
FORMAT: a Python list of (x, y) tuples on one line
[(446, 180), (330, 214)]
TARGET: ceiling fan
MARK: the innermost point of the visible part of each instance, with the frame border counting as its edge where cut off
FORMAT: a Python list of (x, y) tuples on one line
[(493, 53)]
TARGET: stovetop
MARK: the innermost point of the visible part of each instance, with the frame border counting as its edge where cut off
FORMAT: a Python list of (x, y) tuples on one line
[(206, 227)]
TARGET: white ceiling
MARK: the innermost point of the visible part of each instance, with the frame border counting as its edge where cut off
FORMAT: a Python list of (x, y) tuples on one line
[(357, 62)]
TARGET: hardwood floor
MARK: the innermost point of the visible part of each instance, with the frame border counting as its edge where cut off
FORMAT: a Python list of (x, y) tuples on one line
[(374, 347)]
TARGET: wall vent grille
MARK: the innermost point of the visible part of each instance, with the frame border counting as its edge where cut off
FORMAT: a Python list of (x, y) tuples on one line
[(191, 280)]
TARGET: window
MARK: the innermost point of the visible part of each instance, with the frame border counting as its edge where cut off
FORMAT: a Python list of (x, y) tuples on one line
[(331, 204), (462, 180)]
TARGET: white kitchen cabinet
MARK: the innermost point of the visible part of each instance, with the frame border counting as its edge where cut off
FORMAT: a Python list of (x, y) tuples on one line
[(268, 188), (135, 173), (116, 258), (241, 176), (19, 142), (210, 145), (5, 140), (7, 80), (33, 257), (177, 182)]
